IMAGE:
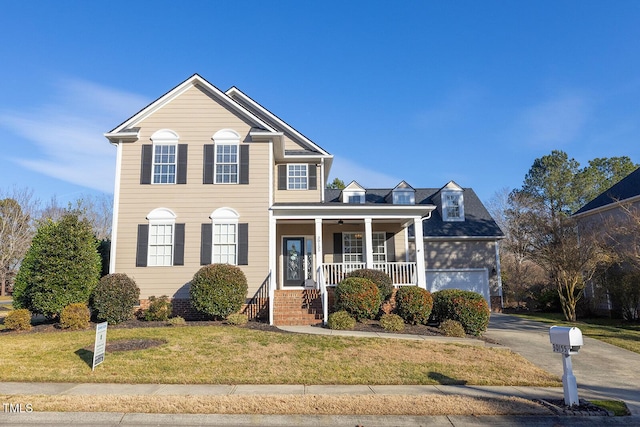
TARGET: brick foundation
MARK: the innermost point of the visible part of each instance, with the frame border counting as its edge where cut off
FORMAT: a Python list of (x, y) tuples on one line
[(182, 307), (496, 304)]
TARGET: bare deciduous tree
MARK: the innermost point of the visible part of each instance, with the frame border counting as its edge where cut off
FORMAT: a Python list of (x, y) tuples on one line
[(17, 211)]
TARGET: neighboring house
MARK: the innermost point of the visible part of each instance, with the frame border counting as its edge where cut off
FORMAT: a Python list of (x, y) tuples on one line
[(609, 210), (205, 176)]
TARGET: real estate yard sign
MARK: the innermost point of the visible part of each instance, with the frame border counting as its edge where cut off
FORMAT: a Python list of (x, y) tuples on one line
[(101, 343)]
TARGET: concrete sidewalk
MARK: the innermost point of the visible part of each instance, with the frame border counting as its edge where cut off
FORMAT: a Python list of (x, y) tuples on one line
[(160, 390)]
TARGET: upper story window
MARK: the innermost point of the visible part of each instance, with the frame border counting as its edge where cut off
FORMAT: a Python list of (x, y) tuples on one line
[(227, 158), (226, 164), (165, 159), (297, 177), (355, 198), (353, 193), (452, 206), (404, 198)]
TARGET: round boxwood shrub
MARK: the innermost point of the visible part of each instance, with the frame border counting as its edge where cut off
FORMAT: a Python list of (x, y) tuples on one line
[(159, 309), (218, 290), (18, 320), (392, 322), (414, 304), (359, 297), (452, 328), (341, 320), (114, 297), (75, 316), (380, 278), (467, 307)]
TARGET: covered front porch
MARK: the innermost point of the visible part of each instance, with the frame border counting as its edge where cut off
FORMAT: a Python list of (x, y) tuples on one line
[(313, 248)]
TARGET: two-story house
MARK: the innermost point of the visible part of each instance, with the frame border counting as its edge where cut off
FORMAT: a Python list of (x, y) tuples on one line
[(205, 176)]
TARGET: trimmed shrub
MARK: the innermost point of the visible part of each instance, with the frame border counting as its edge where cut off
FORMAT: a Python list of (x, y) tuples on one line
[(61, 267), (359, 297), (392, 322), (159, 309), (176, 321), (218, 290), (467, 307), (380, 278), (341, 320), (237, 319), (18, 320), (452, 328), (414, 304), (75, 316), (114, 298)]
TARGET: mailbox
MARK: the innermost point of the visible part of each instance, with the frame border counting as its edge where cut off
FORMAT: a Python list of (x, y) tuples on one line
[(567, 340)]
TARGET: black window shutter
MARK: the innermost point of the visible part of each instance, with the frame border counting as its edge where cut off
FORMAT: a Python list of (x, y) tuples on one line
[(209, 156), (244, 164), (282, 177), (313, 177), (181, 177), (391, 247), (143, 243), (206, 232), (243, 244), (337, 247), (147, 162), (178, 245)]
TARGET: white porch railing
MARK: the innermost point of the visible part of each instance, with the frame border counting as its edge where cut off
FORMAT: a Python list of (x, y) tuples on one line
[(401, 273)]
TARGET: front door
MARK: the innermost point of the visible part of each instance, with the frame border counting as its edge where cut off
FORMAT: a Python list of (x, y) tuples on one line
[(297, 260)]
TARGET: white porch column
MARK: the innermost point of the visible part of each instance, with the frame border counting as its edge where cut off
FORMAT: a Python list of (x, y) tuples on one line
[(420, 265), (273, 258), (368, 243), (318, 243)]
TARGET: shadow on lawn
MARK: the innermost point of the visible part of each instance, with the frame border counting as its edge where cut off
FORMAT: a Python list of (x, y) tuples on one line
[(445, 380), (86, 356)]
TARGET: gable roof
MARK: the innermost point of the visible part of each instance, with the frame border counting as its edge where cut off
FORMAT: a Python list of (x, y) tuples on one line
[(626, 189), (127, 126)]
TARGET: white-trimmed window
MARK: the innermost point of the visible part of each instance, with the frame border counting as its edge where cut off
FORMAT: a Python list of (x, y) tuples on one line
[(379, 246), (355, 198), (226, 162), (404, 198), (452, 206), (165, 144), (161, 237), (352, 247), (225, 236), (297, 178)]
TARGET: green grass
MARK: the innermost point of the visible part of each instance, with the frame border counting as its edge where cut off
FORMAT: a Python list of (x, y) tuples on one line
[(618, 407), (232, 355), (613, 331)]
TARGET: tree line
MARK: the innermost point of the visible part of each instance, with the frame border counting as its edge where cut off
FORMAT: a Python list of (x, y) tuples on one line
[(546, 254), (22, 214)]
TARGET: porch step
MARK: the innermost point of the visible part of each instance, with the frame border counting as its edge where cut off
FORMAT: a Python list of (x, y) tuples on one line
[(297, 307)]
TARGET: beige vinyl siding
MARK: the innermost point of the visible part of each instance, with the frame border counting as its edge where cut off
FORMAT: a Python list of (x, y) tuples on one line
[(195, 117), (297, 196)]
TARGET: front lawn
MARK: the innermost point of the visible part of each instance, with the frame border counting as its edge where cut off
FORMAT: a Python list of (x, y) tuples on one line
[(613, 331), (234, 355)]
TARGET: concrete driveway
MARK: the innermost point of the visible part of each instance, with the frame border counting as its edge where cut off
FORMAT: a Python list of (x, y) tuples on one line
[(602, 370)]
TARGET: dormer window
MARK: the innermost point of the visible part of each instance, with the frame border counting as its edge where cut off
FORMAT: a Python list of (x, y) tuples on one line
[(452, 206), (402, 194), (404, 198), (353, 193)]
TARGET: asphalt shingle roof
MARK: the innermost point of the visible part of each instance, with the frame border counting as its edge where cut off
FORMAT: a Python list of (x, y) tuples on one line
[(625, 189)]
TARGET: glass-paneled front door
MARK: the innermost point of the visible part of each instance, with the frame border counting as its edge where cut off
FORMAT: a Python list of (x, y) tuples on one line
[(297, 260)]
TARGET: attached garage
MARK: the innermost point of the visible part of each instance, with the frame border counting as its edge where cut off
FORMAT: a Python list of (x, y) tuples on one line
[(472, 279)]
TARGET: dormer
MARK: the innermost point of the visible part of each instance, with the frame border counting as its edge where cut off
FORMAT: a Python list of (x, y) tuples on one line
[(452, 202), (402, 194), (353, 193)]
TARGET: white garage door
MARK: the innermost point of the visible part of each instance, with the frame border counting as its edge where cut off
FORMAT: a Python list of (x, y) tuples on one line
[(476, 280)]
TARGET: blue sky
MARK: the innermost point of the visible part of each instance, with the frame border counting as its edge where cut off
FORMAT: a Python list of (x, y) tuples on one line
[(425, 91)]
